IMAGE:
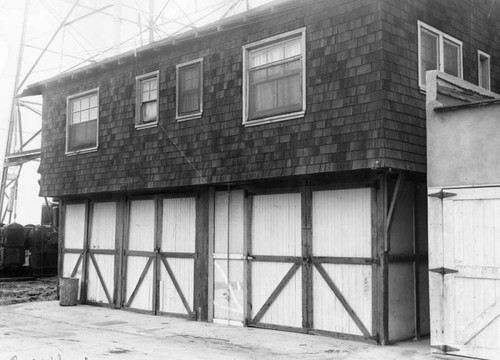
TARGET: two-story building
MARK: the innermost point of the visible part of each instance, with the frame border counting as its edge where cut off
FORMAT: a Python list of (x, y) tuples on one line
[(267, 170)]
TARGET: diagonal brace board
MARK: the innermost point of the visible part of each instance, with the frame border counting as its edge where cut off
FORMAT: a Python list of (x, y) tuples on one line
[(277, 291), (342, 299), (101, 279), (77, 265), (176, 284), (490, 314), (139, 283)]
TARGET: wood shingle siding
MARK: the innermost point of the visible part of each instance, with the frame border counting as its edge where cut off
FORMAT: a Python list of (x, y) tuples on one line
[(364, 108)]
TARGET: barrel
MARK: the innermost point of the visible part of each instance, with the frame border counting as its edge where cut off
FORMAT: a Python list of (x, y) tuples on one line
[(68, 291)]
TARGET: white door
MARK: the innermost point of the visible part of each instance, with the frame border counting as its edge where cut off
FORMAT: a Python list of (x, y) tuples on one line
[(101, 253), (342, 265), (229, 295), (276, 251), (465, 272), (74, 242), (140, 256), (177, 256)]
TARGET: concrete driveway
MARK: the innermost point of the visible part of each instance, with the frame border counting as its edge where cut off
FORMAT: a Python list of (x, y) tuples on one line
[(45, 330)]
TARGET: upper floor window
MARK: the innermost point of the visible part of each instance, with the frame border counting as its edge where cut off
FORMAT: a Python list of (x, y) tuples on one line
[(483, 61), (82, 121), (146, 114), (274, 78), (189, 90), (438, 51)]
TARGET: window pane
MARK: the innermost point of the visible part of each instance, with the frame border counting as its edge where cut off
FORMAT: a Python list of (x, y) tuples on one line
[(93, 101), (189, 102), (264, 97), (145, 86), (292, 48), (149, 111), (145, 96), (451, 53), (84, 115), (83, 135), (93, 113), (484, 72), (76, 105), (428, 53), (275, 53), (85, 103), (189, 89), (289, 92), (75, 118), (258, 75), (189, 78), (258, 58), (153, 94)]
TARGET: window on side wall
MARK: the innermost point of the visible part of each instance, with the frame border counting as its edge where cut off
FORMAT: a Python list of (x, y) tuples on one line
[(82, 122), (274, 79), (146, 114), (437, 51), (483, 61), (189, 90)]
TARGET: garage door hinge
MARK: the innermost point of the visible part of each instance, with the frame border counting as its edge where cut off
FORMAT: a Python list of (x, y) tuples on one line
[(443, 271), (442, 194), (444, 348)]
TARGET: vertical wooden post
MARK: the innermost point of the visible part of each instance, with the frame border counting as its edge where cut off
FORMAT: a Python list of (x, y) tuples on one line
[(307, 290), (416, 264), (211, 242), (383, 271), (375, 255), (248, 247), (119, 244), (126, 233), (157, 249), (201, 260), (60, 241), (85, 255)]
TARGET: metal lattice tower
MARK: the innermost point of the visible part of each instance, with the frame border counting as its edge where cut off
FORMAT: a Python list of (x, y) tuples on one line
[(62, 35)]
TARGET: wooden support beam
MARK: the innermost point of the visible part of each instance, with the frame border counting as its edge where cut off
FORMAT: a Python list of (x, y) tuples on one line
[(276, 292), (342, 300), (392, 209), (177, 286), (101, 279), (382, 315), (139, 283), (119, 245), (307, 279), (77, 265), (490, 314)]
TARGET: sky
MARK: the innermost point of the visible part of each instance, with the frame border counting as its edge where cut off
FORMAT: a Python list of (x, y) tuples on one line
[(88, 37)]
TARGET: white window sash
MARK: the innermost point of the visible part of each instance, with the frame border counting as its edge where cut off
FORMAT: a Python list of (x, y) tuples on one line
[(441, 38), (247, 69)]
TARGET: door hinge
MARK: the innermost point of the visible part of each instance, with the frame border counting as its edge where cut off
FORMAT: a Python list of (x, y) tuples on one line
[(443, 271), (444, 348), (442, 194), (249, 257)]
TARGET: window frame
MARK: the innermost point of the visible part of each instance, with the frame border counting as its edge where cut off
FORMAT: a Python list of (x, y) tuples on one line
[(69, 114), (258, 45), (192, 115), (441, 38), (139, 124), (482, 55)]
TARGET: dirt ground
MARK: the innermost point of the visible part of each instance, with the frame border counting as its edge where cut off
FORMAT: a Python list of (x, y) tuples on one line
[(15, 292)]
